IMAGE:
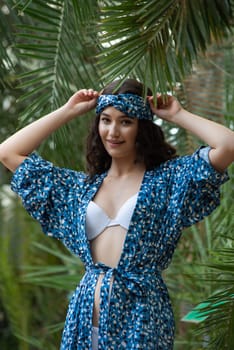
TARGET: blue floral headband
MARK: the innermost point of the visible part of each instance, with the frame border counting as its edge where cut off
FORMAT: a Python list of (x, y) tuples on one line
[(130, 104)]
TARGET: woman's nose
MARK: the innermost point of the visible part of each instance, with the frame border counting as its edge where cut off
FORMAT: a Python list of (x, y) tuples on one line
[(114, 130)]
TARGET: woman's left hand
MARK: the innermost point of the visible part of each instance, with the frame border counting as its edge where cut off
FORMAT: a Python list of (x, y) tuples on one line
[(167, 106)]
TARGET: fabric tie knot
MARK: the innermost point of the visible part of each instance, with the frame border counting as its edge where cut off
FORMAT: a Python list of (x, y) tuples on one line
[(134, 282)]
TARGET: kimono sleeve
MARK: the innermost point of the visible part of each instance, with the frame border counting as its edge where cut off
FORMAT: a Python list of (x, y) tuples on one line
[(196, 188), (48, 193)]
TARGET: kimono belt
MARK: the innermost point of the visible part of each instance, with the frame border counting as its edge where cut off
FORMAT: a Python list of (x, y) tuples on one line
[(134, 283)]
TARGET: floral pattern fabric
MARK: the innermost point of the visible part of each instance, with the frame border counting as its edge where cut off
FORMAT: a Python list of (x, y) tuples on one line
[(132, 105), (137, 314)]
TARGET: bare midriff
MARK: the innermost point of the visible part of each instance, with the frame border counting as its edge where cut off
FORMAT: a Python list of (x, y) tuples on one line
[(106, 248)]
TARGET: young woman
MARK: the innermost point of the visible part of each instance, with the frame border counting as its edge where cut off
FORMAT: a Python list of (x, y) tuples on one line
[(125, 216)]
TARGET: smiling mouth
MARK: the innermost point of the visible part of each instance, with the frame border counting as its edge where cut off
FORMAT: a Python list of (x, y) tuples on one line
[(115, 142)]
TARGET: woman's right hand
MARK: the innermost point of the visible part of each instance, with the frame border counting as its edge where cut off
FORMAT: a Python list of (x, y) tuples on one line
[(82, 101)]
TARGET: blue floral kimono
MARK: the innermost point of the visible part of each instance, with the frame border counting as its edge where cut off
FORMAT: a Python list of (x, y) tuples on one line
[(138, 313)]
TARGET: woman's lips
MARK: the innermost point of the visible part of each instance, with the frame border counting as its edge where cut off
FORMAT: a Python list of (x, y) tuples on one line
[(114, 143)]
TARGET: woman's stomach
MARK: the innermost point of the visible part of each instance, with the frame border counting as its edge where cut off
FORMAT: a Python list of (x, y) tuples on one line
[(107, 249)]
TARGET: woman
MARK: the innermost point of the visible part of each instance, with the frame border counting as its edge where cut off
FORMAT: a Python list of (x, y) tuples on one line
[(125, 217)]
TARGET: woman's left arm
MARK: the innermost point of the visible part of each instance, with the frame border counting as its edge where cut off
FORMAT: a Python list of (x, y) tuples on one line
[(217, 136)]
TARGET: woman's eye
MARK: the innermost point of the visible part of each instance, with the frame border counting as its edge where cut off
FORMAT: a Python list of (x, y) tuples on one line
[(105, 120), (126, 122)]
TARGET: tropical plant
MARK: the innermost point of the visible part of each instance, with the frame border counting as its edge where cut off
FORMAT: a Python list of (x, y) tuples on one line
[(57, 47), (27, 311), (159, 41), (218, 309), (209, 92)]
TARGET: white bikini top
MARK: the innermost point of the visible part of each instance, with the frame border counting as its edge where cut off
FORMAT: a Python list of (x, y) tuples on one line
[(97, 220)]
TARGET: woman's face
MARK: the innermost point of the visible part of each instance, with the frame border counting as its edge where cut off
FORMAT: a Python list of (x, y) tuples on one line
[(118, 133)]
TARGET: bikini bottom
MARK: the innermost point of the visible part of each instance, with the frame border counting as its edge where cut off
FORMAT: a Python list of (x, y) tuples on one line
[(94, 338)]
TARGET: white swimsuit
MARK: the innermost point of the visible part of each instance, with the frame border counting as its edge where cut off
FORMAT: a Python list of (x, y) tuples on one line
[(97, 220)]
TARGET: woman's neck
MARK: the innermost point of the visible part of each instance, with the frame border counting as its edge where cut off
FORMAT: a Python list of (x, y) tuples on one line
[(120, 168)]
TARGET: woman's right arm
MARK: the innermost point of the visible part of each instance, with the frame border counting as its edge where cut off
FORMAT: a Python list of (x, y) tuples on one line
[(17, 147)]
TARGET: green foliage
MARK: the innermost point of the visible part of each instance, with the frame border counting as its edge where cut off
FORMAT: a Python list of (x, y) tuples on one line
[(158, 39), (203, 266), (7, 18), (219, 324), (64, 276), (27, 311), (209, 92)]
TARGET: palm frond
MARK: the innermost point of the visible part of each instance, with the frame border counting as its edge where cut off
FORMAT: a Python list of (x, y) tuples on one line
[(54, 43), (61, 52), (8, 19), (158, 39), (208, 91), (66, 275), (27, 309), (11, 293), (219, 310)]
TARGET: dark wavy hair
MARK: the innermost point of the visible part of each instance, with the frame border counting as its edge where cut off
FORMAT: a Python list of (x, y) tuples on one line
[(152, 148)]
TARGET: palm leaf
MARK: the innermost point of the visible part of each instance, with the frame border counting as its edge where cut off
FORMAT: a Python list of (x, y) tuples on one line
[(159, 40), (220, 310), (208, 91), (49, 41), (8, 19), (66, 275), (27, 308), (54, 41)]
